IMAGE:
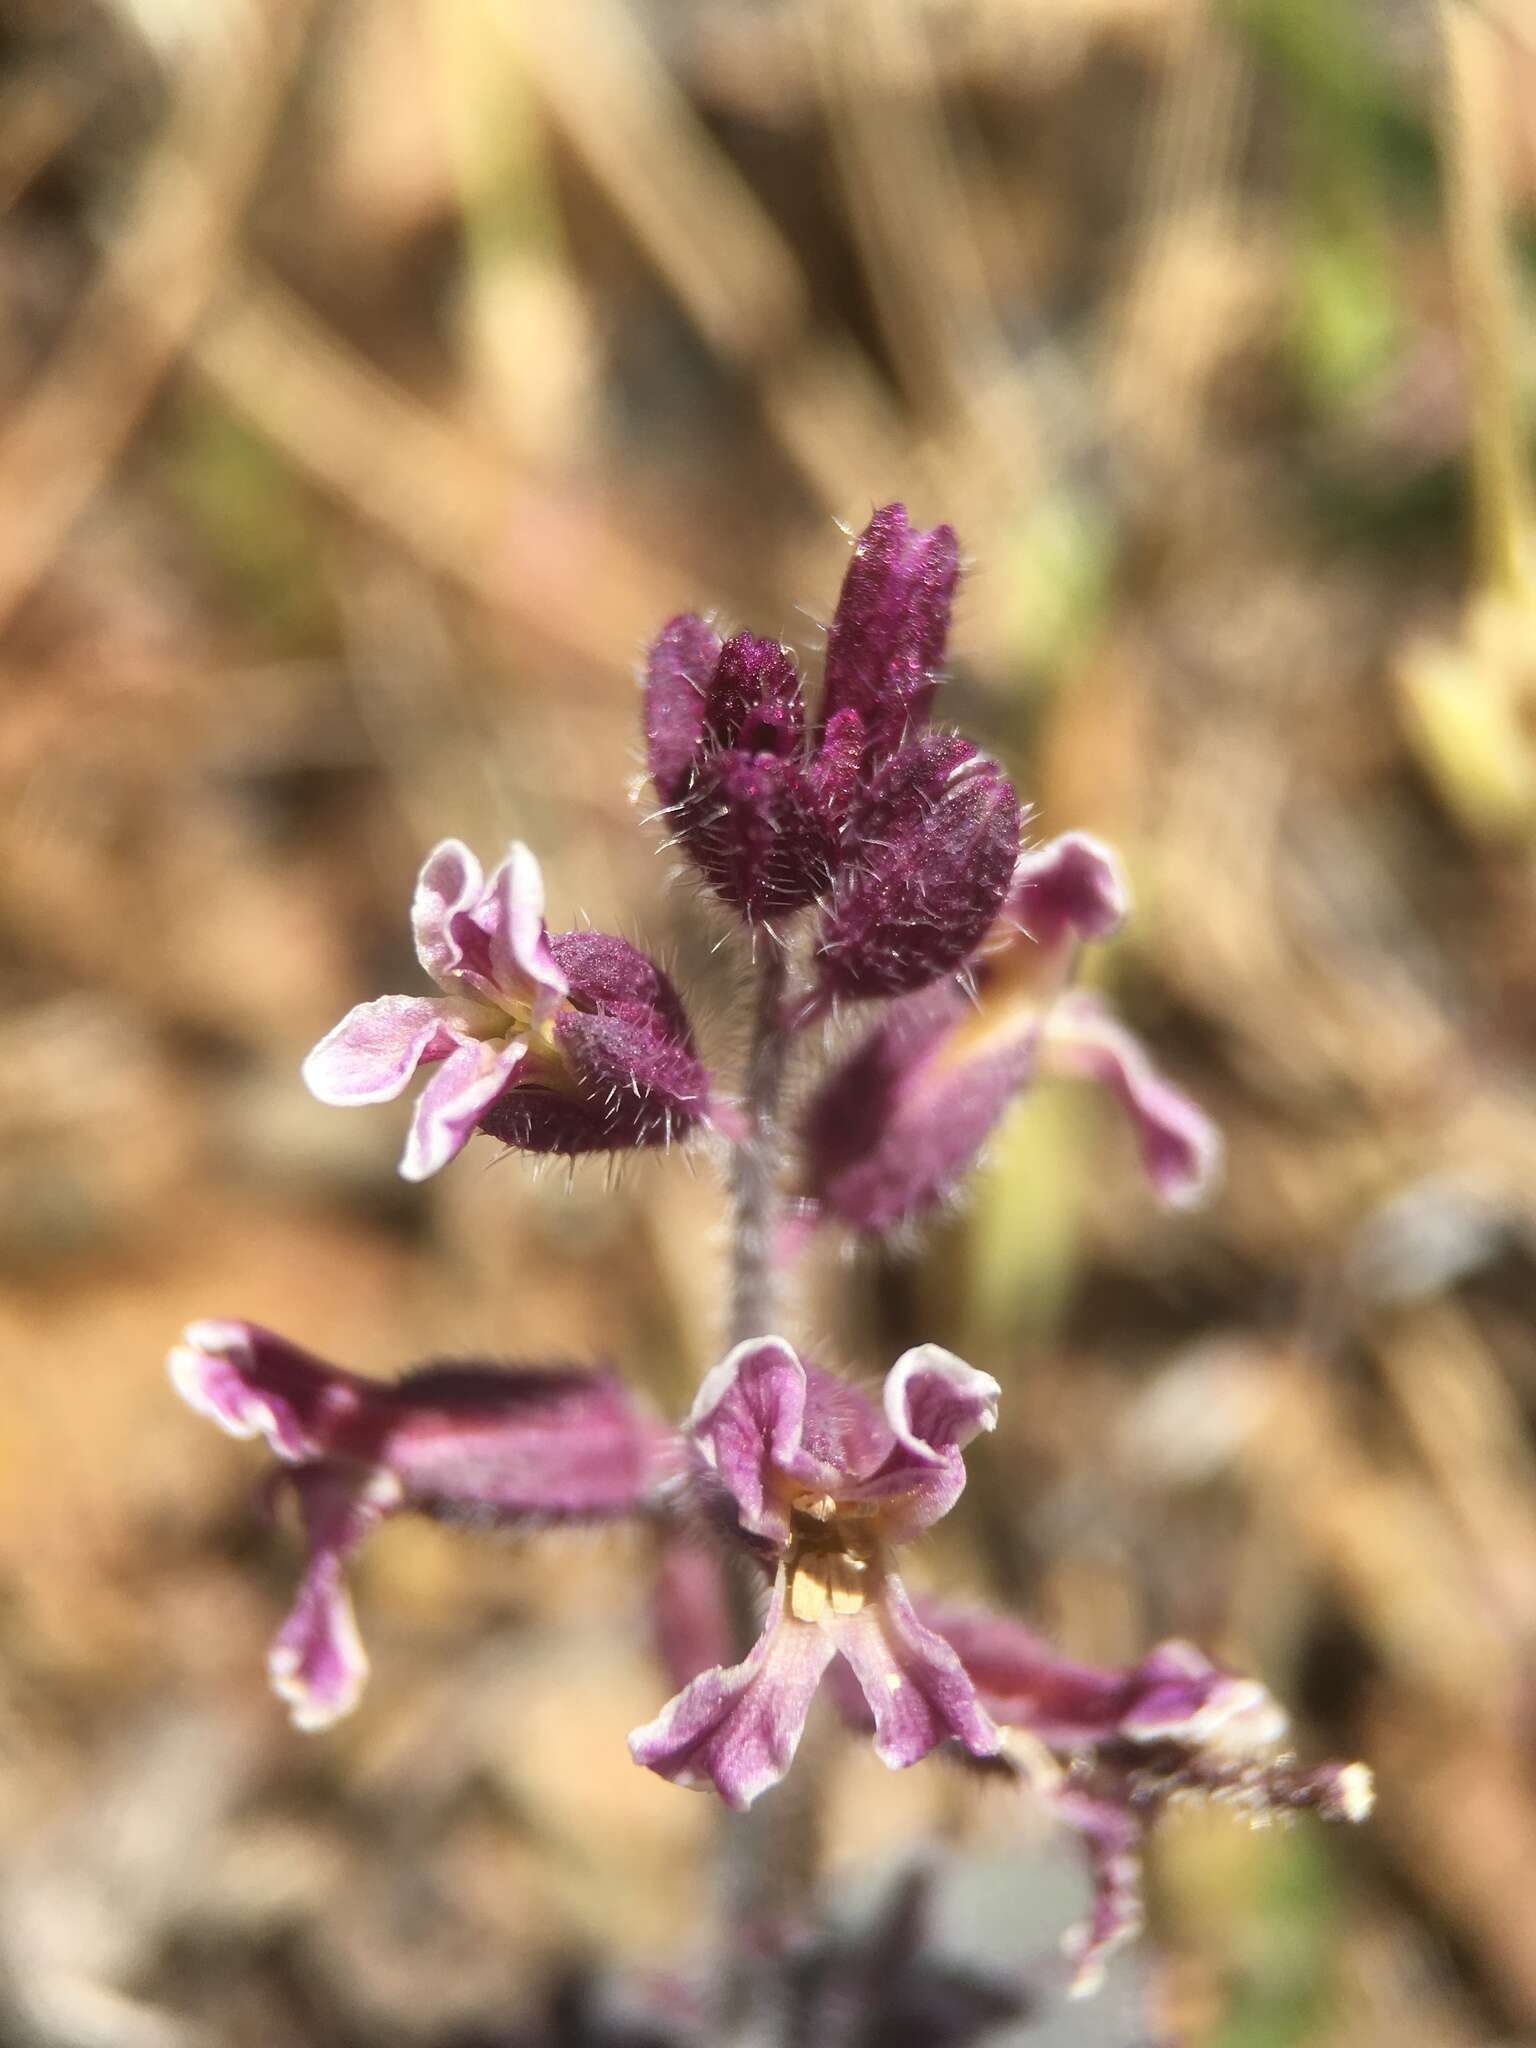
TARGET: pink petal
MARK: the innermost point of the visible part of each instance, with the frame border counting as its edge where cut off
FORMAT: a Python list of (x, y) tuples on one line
[(748, 1422), (376, 1048), (1180, 1146), (1071, 888), (317, 1662), (449, 891), (520, 954), (1175, 1694), (915, 1686), (934, 1403), (738, 1728), (253, 1383), (457, 1095)]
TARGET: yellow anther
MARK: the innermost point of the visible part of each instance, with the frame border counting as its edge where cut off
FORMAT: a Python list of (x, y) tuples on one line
[(809, 1593), (845, 1583)]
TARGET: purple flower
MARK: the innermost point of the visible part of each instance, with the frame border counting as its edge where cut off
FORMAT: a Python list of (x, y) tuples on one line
[(474, 1442), (822, 1485), (573, 1043), (902, 1119), (1131, 1740)]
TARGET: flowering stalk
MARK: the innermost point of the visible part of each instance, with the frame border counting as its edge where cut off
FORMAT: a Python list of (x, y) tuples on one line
[(783, 1500)]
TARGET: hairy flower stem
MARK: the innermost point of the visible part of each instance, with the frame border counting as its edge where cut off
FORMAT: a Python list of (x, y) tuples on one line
[(769, 1853), (754, 1168)]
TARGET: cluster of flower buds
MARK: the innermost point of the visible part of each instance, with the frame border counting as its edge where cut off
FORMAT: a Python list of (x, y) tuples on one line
[(903, 842)]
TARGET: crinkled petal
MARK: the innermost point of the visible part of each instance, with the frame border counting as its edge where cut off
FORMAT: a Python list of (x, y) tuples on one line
[(317, 1662), (451, 944), (915, 1686), (455, 1098), (1180, 1146), (933, 1403), (376, 1048), (748, 1422), (1071, 888), (738, 1728), (521, 959), (252, 1382)]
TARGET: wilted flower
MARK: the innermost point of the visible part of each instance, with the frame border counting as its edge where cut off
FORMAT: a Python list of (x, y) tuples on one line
[(1129, 1740), (481, 1443), (822, 1485), (572, 1043), (904, 1116)]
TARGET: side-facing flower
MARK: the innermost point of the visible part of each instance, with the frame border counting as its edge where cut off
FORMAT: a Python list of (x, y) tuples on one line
[(820, 1486), (486, 1444), (568, 1043), (1130, 1740), (902, 1118)]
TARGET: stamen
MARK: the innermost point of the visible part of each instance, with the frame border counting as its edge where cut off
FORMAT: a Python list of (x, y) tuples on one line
[(809, 1592), (845, 1582)]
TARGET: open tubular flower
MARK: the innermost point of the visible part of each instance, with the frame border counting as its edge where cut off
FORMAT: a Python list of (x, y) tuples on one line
[(568, 1043), (903, 1117), (821, 1486), (481, 1443)]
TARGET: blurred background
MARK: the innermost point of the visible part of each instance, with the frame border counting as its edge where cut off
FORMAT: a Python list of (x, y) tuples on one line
[(375, 376)]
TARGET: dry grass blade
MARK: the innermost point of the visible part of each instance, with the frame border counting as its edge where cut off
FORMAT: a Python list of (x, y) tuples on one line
[(71, 428), (710, 239), (418, 478)]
